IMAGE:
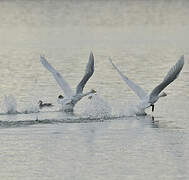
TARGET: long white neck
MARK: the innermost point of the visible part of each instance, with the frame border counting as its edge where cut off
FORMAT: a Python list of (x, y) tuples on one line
[(163, 94), (78, 97), (86, 94)]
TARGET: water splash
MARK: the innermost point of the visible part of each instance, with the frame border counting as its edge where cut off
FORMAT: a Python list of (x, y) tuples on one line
[(9, 104), (30, 108), (129, 108), (97, 107)]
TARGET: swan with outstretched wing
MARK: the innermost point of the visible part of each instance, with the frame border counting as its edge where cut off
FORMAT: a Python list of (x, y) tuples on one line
[(148, 100), (59, 79), (68, 102)]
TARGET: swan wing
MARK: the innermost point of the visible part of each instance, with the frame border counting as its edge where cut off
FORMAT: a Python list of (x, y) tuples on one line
[(137, 89), (88, 73), (59, 79), (170, 77)]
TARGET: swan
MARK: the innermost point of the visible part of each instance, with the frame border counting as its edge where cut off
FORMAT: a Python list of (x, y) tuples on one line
[(147, 100), (69, 100)]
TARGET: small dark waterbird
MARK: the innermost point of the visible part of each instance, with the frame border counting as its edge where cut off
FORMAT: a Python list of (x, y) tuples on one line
[(70, 98), (42, 105)]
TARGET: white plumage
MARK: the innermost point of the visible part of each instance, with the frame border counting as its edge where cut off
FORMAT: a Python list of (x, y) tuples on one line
[(71, 98), (148, 100)]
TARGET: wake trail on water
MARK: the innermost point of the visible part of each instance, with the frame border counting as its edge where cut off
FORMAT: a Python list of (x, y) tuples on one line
[(95, 109)]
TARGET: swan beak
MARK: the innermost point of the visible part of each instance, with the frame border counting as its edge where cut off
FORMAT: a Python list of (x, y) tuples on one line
[(152, 107)]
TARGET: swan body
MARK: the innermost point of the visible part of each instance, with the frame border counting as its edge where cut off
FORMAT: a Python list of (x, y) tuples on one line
[(69, 103), (147, 100), (69, 100)]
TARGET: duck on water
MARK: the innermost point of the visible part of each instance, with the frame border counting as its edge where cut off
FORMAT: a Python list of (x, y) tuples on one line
[(69, 100), (42, 105)]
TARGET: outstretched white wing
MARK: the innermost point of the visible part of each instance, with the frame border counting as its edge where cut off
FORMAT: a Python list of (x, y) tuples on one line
[(137, 89), (88, 73), (60, 80), (170, 77)]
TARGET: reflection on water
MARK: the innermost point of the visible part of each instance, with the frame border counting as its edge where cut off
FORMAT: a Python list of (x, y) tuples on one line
[(145, 38), (93, 147)]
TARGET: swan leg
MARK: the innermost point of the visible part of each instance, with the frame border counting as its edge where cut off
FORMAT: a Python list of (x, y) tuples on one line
[(152, 107)]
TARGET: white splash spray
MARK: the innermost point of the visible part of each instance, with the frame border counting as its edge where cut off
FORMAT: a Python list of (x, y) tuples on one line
[(30, 108), (9, 104), (97, 107)]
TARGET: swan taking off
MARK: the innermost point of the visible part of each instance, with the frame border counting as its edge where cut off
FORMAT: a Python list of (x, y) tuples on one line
[(148, 100), (69, 101)]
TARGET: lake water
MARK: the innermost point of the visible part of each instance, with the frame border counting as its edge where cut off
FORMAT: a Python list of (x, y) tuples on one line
[(144, 38)]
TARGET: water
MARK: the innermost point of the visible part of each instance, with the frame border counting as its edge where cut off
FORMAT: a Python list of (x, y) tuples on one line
[(144, 39)]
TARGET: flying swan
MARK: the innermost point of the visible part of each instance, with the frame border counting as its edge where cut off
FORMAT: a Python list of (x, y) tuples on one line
[(69, 101), (147, 100)]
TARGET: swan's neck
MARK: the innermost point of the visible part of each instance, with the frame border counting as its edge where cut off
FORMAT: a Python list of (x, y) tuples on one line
[(86, 94), (163, 94)]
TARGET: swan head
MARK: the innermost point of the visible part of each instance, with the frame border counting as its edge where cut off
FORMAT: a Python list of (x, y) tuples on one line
[(163, 94), (93, 91), (40, 102), (60, 97)]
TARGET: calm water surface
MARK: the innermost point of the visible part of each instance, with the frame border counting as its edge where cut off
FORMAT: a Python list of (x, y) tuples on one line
[(144, 38)]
